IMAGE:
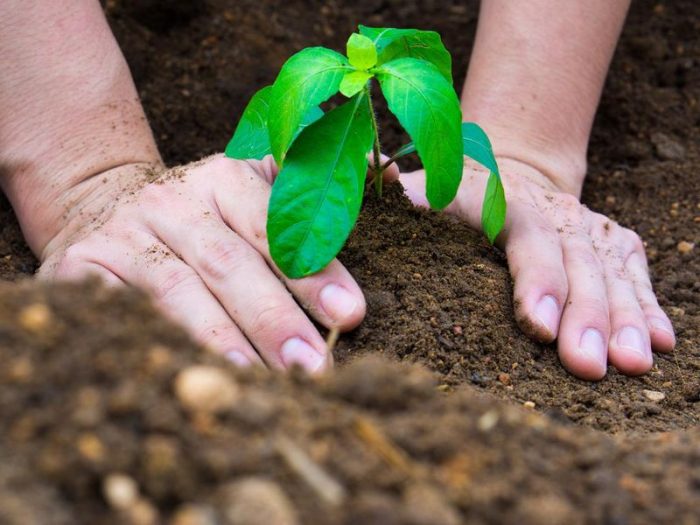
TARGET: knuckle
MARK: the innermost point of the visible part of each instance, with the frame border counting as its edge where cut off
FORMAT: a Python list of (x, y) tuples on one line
[(222, 256), (221, 164), (73, 254), (219, 336), (155, 196), (270, 317), (258, 228), (569, 203), (633, 242), (173, 279), (594, 310), (582, 253)]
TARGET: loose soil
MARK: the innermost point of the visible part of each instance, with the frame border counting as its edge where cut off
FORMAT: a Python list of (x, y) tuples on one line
[(88, 373)]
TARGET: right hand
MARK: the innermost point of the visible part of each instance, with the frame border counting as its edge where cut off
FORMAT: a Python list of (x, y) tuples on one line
[(195, 239)]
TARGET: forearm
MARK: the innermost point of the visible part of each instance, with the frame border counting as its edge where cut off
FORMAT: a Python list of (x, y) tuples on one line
[(535, 78), (68, 109)]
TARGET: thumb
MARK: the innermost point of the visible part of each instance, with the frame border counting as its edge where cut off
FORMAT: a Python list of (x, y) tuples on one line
[(414, 186)]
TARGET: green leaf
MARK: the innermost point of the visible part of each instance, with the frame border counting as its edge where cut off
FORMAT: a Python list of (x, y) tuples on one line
[(477, 146), (316, 197), (353, 82), (251, 139), (400, 43), (361, 52), (308, 78), (427, 107), (493, 211)]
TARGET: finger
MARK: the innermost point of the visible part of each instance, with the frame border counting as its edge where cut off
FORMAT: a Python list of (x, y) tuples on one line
[(414, 187), (250, 292), (629, 349), (266, 168), (541, 286), (141, 260), (585, 327), (661, 331), (77, 270), (331, 296)]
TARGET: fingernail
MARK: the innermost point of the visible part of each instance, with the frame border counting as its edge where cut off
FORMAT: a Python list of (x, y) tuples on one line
[(547, 312), (338, 302), (298, 351), (592, 346), (631, 338), (661, 324), (238, 358)]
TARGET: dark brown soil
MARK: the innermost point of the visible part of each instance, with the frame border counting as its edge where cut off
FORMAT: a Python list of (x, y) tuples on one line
[(81, 397)]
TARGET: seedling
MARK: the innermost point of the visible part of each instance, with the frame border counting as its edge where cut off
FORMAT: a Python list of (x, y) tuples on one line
[(324, 158)]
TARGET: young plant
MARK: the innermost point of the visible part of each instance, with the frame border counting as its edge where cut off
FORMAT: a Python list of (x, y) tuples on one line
[(323, 158)]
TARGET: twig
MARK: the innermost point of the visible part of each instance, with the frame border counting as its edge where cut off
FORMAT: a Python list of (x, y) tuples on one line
[(332, 339), (378, 442), (325, 486)]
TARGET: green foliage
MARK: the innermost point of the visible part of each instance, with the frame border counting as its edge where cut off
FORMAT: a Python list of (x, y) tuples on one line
[(306, 80), (362, 53), (427, 107), (401, 43), (317, 195), (354, 82), (478, 147), (252, 139)]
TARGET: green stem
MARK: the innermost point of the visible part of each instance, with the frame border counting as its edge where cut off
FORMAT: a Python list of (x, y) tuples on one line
[(401, 152), (377, 169)]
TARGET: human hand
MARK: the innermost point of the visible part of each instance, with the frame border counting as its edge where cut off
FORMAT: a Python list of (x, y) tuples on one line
[(579, 276), (194, 237)]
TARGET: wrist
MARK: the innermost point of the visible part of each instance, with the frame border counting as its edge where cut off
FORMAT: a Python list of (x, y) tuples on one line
[(565, 167), (49, 212)]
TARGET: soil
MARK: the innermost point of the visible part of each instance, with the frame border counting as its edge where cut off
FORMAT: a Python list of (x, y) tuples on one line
[(497, 433)]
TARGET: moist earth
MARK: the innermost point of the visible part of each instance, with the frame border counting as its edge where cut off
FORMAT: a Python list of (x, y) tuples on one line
[(441, 411)]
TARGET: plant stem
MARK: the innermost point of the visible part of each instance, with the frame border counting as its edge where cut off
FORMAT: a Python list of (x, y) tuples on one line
[(404, 150), (377, 169)]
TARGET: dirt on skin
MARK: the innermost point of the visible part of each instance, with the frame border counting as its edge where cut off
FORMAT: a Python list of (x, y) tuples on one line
[(88, 404)]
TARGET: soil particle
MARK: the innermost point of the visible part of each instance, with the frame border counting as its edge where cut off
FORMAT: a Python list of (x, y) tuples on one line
[(206, 389), (254, 500)]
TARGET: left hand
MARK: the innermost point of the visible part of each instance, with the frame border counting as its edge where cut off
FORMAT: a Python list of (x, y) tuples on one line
[(579, 276)]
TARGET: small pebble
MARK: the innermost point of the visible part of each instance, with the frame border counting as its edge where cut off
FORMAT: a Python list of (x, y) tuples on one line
[(504, 378), (685, 247), (676, 311), (206, 389), (35, 317), (256, 500), (120, 491), (21, 370), (654, 395), (142, 513), (487, 421), (91, 448), (529, 404), (190, 514), (667, 148)]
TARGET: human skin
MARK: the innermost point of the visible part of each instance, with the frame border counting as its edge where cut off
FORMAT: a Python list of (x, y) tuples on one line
[(80, 167), (534, 82)]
